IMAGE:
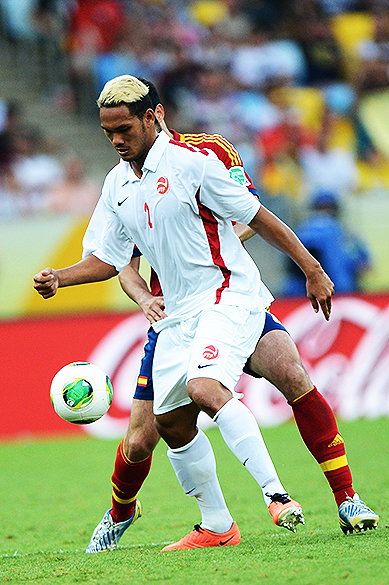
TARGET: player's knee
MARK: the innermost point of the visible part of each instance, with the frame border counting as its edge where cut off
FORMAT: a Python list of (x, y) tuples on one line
[(209, 395), (196, 392), (139, 446), (294, 381), (175, 428), (168, 429)]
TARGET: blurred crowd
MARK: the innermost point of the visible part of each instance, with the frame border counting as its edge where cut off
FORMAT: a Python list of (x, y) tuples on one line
[(295, 85), (38, 174)]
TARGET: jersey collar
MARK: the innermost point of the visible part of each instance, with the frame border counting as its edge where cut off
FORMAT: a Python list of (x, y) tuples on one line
[(176, 135), (154, 155)]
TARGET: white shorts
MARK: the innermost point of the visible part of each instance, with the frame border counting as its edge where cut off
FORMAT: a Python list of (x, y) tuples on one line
[(215, 344)]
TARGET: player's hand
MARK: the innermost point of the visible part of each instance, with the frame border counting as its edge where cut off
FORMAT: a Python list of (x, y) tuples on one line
[(46, 282), (153, 308), (320, 290)]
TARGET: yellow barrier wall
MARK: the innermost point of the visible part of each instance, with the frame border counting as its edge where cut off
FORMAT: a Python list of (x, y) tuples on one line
[(29, 245)]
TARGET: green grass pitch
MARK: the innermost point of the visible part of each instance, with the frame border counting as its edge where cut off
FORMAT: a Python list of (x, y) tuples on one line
[(53, 493)]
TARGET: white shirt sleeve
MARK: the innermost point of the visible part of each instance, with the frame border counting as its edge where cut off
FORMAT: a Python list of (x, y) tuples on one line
[(91, 239), (105, 237), (224, 196)]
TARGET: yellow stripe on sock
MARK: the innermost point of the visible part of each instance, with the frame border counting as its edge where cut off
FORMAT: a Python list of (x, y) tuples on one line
[(123, 454), (126, 459), (121, 501), (115, 487), (302, 395), (333, 464)]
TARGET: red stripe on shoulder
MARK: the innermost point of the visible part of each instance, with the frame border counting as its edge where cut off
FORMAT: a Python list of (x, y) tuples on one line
[(188, 147), (223, 149)]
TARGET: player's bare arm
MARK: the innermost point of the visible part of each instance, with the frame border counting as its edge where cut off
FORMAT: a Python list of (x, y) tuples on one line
[(136, 288), (320, 288), (90, 269), (244, 232)]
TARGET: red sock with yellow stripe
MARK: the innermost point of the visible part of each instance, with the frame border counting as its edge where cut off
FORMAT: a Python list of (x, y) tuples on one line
[(317, 425), (127, 479)]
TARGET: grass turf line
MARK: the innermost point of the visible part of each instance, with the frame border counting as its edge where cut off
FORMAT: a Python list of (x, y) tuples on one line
[(55, 492)]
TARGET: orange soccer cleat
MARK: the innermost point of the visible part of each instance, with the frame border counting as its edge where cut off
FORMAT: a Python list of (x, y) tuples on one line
[(285, 511), (202, 538)]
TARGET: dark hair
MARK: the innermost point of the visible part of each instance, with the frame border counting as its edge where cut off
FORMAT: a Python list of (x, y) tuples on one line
[(140, 107), (153, 92)]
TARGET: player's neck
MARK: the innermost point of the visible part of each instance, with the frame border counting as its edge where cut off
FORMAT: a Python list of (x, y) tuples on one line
[(165, 129), (137, 167)]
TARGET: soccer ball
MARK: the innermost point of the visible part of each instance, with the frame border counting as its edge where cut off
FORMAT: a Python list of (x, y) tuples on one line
[(81, 393)]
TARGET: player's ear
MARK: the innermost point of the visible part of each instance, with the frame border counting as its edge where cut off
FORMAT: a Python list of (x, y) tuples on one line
[(159, 113), (149, 117)]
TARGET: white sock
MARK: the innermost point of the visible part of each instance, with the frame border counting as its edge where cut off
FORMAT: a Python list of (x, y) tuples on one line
[(241, 433), (195, 468)]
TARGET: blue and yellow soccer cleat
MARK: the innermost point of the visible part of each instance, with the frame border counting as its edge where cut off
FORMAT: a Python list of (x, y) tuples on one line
[(107, 533), (355, 515)]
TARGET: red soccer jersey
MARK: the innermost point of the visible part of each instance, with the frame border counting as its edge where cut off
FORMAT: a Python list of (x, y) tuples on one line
[(224, 150)]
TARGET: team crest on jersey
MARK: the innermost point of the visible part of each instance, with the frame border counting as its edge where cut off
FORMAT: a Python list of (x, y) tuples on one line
[(163, 185), (238, 174), (210, 352)]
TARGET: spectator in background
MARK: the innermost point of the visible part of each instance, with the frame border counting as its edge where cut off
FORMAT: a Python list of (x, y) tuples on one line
[(73, 193), (327, 165), (18, 19), (180, 82), (261, 61), (266, 13), (35, 167), (337, 6), (150, 49), (324, 60), (94, 28), (373, 72), (343, 255), (280, 145), (11, 124), (49, 20), (214, 106)]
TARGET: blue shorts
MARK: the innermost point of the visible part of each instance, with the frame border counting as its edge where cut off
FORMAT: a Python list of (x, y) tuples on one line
[(271, 323), (144, 389)]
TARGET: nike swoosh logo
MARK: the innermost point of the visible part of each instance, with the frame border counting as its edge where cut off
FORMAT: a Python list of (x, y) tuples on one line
[(205, 366), (223, 542), (121, 202)]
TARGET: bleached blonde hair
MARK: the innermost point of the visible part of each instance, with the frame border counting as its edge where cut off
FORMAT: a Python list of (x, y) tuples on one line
[(124, 89)]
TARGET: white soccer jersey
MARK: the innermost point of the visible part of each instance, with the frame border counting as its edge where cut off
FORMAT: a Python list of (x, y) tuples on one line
[(179, 215)]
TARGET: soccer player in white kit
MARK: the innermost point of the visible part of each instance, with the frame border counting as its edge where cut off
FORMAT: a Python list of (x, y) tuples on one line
[(176, 204), (214, 300)]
